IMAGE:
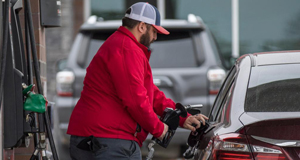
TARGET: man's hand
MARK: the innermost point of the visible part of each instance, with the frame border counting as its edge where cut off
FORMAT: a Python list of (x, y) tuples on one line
[(166, 128), (195, 119)]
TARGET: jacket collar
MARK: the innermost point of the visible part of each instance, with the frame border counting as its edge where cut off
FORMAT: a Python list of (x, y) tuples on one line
[(129, 34)]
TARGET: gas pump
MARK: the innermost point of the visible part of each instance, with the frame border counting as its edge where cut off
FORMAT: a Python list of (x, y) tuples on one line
[(24, 111)]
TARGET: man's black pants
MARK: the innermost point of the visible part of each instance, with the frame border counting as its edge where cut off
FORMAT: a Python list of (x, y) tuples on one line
[(82, 148)]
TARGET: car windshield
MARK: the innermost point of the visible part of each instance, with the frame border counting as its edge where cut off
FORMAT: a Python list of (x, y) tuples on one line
[(173, 51), (274, 88)]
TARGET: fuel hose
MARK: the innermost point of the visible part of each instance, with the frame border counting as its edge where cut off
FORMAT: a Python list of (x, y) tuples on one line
[(4, 46)]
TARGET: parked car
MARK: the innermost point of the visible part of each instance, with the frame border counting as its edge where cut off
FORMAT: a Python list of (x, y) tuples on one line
[(256, 114), (186, 66)]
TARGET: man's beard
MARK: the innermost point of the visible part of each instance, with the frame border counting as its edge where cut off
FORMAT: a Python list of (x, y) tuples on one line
[(145, 39)]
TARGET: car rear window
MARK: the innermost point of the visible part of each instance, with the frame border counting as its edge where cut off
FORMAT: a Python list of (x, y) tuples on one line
[(175, 50), (274, 88), (96, 41)]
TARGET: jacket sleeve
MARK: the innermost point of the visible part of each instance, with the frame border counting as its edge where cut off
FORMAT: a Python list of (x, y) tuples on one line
[(127, 71), (161, 102)]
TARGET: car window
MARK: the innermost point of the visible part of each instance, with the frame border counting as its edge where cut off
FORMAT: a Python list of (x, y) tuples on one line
[(97, 39), (176, 50), (274, 88), (92, 49), (223, 114), (222, 94)]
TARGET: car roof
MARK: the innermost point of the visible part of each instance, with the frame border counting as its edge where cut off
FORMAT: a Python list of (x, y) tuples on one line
[(274, 58), (167, 23)]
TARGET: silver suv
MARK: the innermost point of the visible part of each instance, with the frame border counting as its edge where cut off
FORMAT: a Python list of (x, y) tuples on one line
[(186, 66)]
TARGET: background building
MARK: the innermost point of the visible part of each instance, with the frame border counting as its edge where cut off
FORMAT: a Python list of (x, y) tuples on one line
[(264, 25)]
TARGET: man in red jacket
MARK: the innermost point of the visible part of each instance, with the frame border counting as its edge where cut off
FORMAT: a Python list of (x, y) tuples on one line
[(119, 103)]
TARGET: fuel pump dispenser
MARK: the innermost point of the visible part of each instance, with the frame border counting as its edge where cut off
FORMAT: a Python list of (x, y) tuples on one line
[(24, 110)]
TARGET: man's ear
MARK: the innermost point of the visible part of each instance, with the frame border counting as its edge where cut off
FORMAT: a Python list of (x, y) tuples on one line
[(142, 28)]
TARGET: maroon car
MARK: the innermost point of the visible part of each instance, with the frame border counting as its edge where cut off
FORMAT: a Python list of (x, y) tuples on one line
[(256, 114)]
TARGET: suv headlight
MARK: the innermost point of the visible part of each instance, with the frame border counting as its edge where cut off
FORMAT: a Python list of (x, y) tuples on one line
[(215, 78)]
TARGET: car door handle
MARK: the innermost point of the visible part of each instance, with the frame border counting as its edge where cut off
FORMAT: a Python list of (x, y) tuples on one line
[(162, 81)]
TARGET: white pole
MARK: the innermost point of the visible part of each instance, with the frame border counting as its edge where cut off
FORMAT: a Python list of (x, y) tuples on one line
[(87, 10), (161, 8), (235, 28)]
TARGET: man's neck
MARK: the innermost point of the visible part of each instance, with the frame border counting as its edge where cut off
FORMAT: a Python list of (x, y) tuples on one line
[(135, 34)]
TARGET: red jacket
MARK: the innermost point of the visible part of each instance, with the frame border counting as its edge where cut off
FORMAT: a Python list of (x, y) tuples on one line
[(119, 93)]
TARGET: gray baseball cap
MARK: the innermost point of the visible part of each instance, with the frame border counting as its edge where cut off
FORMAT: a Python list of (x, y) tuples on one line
[(147, 13)]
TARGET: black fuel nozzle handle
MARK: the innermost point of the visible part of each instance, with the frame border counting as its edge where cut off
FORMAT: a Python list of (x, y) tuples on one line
[(192, 143), (194, 125), (181, 110), (171, 118), (195, 136)]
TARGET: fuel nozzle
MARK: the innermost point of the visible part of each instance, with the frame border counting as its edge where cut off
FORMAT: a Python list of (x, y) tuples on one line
[(171, 118), (33, 102), (194, 138), (194, 109)]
